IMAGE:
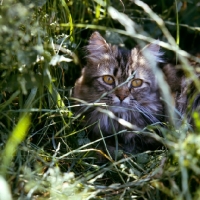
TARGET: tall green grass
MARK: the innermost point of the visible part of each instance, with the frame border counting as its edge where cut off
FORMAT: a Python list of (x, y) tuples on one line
[(45, 152)]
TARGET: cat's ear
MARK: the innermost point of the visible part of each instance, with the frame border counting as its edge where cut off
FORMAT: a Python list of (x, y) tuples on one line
[(97, 46), (153, 49), (96, 40)]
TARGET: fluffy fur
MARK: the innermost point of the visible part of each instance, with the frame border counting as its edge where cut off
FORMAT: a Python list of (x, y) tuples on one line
[(138, 105), (186, 95)]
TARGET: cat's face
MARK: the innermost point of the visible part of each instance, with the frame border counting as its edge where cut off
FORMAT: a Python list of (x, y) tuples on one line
[(123, 79)]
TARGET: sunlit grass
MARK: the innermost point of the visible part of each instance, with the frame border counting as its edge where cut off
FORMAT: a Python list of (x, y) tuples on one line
[(17, 136)]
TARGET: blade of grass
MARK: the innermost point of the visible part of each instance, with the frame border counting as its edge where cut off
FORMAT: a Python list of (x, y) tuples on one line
[(5, 190), (17, 136), (177, 25), (8, 102), (69, 18)]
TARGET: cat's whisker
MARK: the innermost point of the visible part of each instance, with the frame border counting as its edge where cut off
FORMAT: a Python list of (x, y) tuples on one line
[(146, 113)]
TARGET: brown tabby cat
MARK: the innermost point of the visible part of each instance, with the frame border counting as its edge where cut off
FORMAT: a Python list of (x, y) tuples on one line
[(124, 80)]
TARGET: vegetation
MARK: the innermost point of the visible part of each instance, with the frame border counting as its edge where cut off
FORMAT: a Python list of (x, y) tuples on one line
[(45, 153)]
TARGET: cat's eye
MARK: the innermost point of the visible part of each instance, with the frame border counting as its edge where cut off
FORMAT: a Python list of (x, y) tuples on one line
[(137, 82), (108, 79)]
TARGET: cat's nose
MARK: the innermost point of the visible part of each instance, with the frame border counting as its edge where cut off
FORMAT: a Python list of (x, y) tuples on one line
[(122, 93), (122, 97)]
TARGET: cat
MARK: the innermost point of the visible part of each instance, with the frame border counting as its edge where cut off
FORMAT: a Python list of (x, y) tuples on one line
[(124, 80)]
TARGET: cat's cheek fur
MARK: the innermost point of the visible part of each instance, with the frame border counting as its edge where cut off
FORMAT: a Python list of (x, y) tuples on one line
[(83, 92)]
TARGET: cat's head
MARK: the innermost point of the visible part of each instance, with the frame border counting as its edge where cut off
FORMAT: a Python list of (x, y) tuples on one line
[(123, 79)]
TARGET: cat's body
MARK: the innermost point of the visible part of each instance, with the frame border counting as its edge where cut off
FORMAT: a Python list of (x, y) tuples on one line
[(125, 81), (183, 89)]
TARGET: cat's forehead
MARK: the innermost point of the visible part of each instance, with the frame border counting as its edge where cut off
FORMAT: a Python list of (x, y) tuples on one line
[(121, 63), (129, 63), (123, 59), (116, 63), (139, 64)]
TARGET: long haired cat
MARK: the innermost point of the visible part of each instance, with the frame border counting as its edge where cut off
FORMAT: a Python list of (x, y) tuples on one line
[(124, 81)]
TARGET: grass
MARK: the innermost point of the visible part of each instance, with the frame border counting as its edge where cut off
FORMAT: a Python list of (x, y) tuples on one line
[(45, 152)]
